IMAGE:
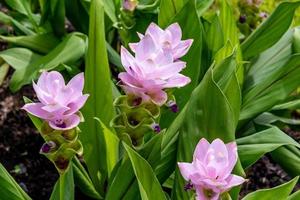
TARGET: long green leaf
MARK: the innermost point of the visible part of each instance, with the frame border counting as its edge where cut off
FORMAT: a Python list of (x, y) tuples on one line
[(64, 187), (270, 31), (9, 189), (100, 102), (254, 146), (71, 49), (83, 181), (290, 163), (280, 192), (43, 43), (148, 184)]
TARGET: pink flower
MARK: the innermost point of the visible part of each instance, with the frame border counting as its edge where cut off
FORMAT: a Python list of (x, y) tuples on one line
[(152, 70), (59, 103), (210, 170), (169, 39)]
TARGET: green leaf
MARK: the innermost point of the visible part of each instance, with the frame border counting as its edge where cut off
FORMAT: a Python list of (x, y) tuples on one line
[(231, 35), (41, 43), (290, 163), (68, 51), (6, 19), (148, 184), (83, 181), (267, 118), (22, 7), (271, 78), (9, 188), (203, 5), (112, 147), (123, 178), (78, 15), (281, 192), (253, 147), (64, 187), (294, 196), (100, 102), (54, 12), (3, 72), (109, 9), (271, 30)]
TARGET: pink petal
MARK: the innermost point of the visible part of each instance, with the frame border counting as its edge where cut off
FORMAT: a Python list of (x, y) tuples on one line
[(218, 152), (186, 170), (201, 149), (43, 95), (154, 30), (77, 104), (65, 95), (146, 48), (178, 80), (77, 83), (140, 35), (232, 157), (55, 109), (167, 71), (234, 180), (159, 97), (182, 48), (55, 82), (36, 110), (126, 58), (42, 81), (70, 122), (175, 32), (129, 80), (133, 46)]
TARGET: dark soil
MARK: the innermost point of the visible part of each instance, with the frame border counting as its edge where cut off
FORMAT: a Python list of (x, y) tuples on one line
[(20, 144)]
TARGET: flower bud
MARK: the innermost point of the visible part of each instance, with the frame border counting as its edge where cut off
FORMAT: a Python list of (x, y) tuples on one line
[(129, 5), (48, 147), (173, 106), (156, 128)]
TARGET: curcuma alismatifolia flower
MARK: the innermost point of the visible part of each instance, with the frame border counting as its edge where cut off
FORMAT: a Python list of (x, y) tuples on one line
[(210, 170), (156, 65), (59, 103)]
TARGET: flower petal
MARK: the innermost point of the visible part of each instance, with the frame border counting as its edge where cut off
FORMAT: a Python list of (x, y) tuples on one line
[(201, 149), (175, 32), (77, 104), (234, 180), (178, 80), (154, 30), (146, 48), (182, 48), (76, 83), (186, 170), (36, 110), (70, 122)]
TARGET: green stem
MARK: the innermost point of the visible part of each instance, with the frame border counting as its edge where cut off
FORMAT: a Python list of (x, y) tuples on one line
[(62, 186)]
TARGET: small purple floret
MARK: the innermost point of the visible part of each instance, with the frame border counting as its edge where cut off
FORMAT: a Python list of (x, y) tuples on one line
[(47, 147), (156, 128), (173, 106)]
